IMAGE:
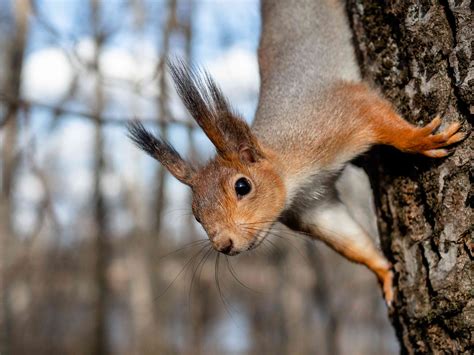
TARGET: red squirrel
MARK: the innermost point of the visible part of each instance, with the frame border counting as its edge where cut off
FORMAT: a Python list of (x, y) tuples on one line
[(314, 115)]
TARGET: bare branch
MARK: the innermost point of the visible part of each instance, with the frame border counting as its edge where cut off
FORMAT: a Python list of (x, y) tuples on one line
[(103, 120)]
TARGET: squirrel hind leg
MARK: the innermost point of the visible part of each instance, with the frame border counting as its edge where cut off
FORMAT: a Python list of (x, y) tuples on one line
[(385, 276), (332, 223), (387, 287)]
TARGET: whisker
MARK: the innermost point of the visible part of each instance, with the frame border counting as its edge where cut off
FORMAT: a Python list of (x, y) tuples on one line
[(253, 223), (263, 250), (187, 246), (286, 238), (194, 272), (275, 227), (305, 257), (219, 289), (334, 244), (179, 273), (205, 260), (272, 244), (234, 274)]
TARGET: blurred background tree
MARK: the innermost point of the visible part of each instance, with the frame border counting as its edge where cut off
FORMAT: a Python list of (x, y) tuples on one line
[(99, 252)]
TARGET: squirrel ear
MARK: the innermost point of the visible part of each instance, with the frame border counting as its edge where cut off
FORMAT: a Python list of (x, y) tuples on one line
[(161, 151), (212, 112), (248, 155)]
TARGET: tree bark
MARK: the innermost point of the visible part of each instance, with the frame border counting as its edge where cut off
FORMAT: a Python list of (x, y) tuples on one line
[(418, 53)]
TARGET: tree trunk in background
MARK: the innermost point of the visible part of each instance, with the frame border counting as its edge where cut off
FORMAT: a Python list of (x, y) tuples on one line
[(103, 246), (9, 159), (419, 54)]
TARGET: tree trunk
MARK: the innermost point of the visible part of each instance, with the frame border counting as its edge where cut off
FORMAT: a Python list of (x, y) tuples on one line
[(418, 53), (102, 243), (8, 167)]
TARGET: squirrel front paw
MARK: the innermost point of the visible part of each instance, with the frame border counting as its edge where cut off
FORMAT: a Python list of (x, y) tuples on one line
[(425, 142)]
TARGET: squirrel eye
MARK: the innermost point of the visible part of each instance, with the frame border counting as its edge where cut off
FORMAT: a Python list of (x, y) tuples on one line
[(242, 187)]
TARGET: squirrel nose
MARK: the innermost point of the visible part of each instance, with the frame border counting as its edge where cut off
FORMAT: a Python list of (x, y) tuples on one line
[(224, 246)]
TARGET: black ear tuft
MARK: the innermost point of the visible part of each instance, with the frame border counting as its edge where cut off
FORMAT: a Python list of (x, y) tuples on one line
[(203, 99), (197, 89), (147, 141), (161, 151), (207, 104)]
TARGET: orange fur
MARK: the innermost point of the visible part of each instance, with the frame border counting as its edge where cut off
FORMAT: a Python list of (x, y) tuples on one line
[(387, 127), (223, 215)]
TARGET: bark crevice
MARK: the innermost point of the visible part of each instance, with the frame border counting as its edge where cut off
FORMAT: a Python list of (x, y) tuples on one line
[(424, 207)]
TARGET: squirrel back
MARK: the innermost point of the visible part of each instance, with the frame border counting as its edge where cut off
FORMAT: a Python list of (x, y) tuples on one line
[(305, 41), (305, 48)]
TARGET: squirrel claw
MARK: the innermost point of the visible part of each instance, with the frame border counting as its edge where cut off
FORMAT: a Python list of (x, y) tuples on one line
[(436, 153), (432, 126), (430, 144)]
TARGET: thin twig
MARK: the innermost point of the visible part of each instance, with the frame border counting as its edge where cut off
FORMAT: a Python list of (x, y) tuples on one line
[(65, 112)]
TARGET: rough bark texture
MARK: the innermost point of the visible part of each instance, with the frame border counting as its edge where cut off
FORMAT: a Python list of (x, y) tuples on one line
[(419, 54)]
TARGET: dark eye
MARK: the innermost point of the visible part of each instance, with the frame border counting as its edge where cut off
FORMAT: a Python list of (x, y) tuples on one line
[(197, 219), (242, 187)]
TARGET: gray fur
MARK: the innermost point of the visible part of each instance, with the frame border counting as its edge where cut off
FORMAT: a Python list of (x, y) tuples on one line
[(302, 42), (305, 49)]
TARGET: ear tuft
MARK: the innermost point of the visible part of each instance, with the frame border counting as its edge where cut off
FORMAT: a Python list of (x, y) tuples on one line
[(207, 104), (161, 151), (143, 139), (203, 99)]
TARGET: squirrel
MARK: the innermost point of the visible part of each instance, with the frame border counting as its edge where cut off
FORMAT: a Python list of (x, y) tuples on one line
[(314, 116)]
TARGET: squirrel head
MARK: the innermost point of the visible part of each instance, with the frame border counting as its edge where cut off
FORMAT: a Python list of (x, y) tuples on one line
[(239, 194)]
